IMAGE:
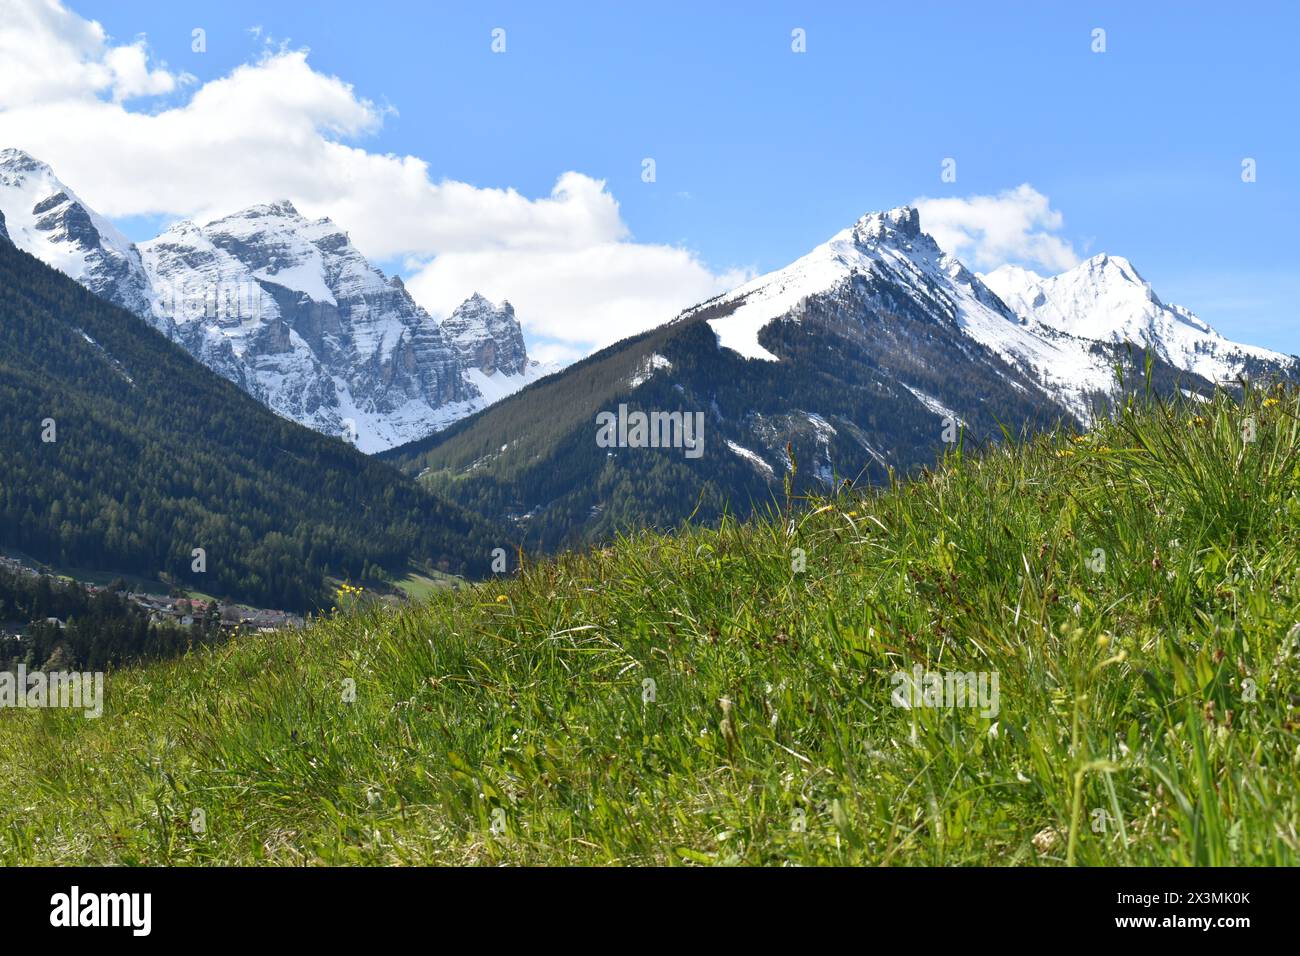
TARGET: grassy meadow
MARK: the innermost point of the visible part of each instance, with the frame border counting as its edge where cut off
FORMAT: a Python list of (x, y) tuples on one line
[(726, 695)]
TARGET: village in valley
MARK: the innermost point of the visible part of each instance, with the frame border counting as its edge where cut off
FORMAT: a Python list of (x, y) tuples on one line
[(176, 609)]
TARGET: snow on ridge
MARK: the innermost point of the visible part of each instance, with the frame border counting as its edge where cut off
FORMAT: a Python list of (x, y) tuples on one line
[(285, 307), (933, 405), (648, 368), (775, 294), (1105, 299), (820, 425), (751, 457), (45, 218), (492, 388), (1047, 329)]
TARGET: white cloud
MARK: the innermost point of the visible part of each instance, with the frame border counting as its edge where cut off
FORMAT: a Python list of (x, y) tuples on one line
[(50, 53), (132, 76), (1017, 225), (277, 128), (596, 294)]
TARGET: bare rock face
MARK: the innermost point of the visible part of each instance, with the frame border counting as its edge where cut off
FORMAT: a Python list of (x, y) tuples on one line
[(487, 337)]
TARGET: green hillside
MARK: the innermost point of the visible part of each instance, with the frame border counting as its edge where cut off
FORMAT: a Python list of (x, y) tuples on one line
[(1136, 591), (119, 452)]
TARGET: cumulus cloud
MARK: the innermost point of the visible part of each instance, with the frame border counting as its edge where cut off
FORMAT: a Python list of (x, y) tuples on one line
[(50, 53), (1016, 225), (595, 294), (277, 128)]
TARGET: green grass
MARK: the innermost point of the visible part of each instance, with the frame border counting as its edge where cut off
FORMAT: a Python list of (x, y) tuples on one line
[(1160, 691), (422, 585)]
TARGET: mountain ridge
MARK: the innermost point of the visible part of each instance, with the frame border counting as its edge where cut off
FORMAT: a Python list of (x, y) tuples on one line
[(283, 306), (859, 360), (1105, 298)]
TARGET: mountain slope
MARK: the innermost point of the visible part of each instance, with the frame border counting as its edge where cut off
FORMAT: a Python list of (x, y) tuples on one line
[(859, 356), (44, 217), (696, 699), (121, 452), (1105, 299)]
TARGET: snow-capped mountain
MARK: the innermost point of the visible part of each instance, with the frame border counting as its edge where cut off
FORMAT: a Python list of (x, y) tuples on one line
[(285, 307), (859, 361), (290, 310), (1106, 299), (44, 217), (1055, 330), (487, 336), (889, 250), (847, 363)]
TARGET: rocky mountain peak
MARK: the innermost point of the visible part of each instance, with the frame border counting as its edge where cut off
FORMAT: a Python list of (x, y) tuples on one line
[(903, 222), (17, 161), (1106, 299), (281, 208), (1104, 267), (487, 336)]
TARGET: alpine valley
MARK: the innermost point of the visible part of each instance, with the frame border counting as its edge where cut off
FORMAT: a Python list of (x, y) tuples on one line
[(855, 362), (121, 454), (284, 307)]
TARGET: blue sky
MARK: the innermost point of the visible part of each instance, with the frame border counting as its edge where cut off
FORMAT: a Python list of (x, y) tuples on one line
[(762, 153)]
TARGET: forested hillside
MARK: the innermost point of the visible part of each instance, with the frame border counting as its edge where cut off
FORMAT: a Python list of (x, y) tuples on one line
[(120, 452)]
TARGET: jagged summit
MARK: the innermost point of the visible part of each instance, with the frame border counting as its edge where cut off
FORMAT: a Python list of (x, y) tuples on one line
[(1103, 260), (17, 160), (487, 336), (281, 207), (314, 330), (903, 221), (1048, 329), (1106, 299), (890, 242)]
